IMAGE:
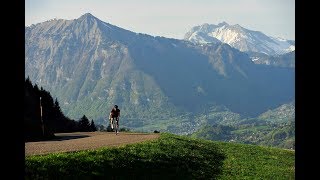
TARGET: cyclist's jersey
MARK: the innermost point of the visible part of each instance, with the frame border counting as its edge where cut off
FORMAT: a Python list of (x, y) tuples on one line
[(115, 113)]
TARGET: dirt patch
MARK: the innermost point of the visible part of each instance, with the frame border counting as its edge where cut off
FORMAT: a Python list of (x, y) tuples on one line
[(67, 142)]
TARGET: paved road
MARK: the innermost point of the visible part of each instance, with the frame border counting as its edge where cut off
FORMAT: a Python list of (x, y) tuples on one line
[(67, 142)]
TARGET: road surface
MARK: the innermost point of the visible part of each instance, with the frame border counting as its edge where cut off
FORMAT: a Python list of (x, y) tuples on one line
[(67, 142)]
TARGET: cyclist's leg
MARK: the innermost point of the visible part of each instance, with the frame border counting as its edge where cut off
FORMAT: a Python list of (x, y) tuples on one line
[(117, 124), (111, 122), (117, 121)]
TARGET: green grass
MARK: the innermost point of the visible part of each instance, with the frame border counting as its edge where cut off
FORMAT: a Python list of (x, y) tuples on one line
[(256, 162), (169, 157)]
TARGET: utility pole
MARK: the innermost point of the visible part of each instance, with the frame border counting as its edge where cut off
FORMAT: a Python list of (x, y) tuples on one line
[(42, 126)]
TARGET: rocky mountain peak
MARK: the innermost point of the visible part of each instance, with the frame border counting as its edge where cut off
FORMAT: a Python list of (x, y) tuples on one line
[(240, 38)]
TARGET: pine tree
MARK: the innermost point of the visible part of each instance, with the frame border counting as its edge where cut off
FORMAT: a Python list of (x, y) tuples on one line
[(59, 118), (32, 123), (28, 84), (57, 106), (84, 124), (92, 126)]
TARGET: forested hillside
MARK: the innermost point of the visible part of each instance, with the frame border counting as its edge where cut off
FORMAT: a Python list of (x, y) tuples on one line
[(43, 116), (274, 127)]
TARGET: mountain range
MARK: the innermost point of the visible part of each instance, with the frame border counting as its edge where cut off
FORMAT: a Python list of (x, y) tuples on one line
[(90, 65), (240, 38)]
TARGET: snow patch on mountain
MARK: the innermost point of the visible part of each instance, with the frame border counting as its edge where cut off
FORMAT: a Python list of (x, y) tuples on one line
[(292, 48), (228, 36), (240, 38), (255, 58)]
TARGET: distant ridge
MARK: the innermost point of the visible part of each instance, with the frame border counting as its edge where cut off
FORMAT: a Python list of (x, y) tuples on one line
[(240, 38)]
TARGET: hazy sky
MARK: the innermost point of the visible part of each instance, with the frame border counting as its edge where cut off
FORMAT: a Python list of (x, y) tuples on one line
[(172, 18)]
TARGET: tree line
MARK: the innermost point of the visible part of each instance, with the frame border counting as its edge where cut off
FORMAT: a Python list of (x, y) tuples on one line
[(43, 116)]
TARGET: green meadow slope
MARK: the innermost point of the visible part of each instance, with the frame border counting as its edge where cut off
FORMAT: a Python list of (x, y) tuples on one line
[(169, 157)]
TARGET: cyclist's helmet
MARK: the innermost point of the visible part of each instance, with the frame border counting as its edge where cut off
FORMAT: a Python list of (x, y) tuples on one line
[(115, 106)]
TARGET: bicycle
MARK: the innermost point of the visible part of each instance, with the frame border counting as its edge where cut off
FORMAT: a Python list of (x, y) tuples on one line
[(114, 122)]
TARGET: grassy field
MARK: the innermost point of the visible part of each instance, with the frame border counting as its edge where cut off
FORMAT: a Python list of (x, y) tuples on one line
[(169, 157), (256, 162)]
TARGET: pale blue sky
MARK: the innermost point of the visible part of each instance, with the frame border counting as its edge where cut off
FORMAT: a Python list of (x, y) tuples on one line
[(172, 18)]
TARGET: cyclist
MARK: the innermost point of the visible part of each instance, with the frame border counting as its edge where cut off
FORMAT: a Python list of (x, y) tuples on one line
[(114, 115)]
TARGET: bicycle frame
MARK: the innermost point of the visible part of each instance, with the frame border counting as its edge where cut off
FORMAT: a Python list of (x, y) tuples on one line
[(114, 122)]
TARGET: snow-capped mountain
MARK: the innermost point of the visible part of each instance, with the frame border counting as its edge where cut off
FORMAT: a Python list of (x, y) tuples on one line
[(240, 38)]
